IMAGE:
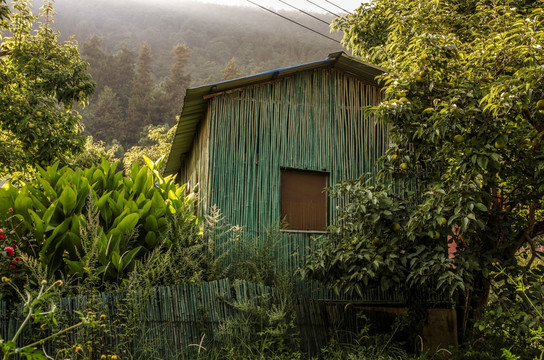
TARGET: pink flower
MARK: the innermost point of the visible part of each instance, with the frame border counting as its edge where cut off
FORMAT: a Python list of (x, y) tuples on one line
[(2, 234), (9, 251)]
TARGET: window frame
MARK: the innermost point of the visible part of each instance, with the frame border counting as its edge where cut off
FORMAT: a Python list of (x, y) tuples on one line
[(323, 172)]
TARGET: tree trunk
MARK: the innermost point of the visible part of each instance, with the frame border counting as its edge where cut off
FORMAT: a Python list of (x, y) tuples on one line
[(473, 308)]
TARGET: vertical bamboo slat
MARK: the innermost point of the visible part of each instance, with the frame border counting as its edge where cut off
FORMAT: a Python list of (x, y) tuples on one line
[(313, 120), (173, 318)]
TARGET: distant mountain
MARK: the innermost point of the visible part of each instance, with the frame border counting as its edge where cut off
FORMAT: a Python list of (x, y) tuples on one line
[(140, 88), (215, 34)]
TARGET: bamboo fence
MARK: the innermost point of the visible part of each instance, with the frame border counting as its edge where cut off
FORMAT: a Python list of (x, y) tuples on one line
[(170, 322)]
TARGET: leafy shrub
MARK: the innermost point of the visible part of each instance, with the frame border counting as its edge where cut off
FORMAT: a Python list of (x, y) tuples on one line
[(93, 153), (132, 213), (367, 346), (376, 243), (512, 324), (39, 307), (264, 328), (11, 260)]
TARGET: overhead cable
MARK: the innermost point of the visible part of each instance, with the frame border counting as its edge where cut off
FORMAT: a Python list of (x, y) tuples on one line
[(333, 4), (322, 8), (293, 21), (304, 12)]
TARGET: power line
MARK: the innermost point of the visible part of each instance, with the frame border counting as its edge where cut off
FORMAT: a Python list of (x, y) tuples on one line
[(304, 12), (333, 4), (293, 21), (322, 8)]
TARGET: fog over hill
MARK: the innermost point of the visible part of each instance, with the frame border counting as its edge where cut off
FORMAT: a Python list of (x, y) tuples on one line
[(259, 40), (144, 55)]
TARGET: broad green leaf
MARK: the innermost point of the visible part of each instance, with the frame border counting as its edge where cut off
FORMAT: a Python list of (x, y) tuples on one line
[(38, 225), (54, 239), (151, 239), (128, 223), (22, 203), (76, 267), (103, 200), (139, 181), (127, 258), (150, 164), (481, 207), (157, 201), (116, 261), (68, 200), (151, 223)]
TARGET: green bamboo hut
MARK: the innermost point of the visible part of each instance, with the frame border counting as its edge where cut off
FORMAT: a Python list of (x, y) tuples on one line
[(263, 147)]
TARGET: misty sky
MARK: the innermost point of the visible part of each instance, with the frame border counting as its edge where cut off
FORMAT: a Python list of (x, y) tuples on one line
[(305, 5), (301, 4)]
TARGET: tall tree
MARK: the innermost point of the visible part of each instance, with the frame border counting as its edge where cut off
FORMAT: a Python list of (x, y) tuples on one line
[(92, 52), (40, 79), (140, 102), (168, 98), (114, 75), (107, 121), (231, 71), (464, 98), (122, 76)]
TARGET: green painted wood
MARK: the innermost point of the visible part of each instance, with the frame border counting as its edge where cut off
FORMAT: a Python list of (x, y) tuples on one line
[(311, 120)]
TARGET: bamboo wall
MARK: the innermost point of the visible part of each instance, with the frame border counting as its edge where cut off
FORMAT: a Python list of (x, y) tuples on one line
[(313, 120), (195, 168)]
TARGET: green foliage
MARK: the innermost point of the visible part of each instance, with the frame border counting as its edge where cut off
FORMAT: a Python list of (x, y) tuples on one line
[(252, 258), (512, 325), (366, 345), (461, 96), (168, 96), (112, 51), (131, 106), (4, 10), (12, 259), (107, 117), (41, 80), (180, 257), (155, 142), (39, 307), (140, 101), (133, 213), (92, 154), (263, 329), (374, 243)]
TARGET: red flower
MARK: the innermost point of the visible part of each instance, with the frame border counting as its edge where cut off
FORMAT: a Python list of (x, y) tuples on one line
[(2, 234), (9, 251), (12, 265), (13, 243), (10, 210), (17, 259)]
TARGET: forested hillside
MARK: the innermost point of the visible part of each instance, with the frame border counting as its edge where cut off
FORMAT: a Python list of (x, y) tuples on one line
[(144, 56)]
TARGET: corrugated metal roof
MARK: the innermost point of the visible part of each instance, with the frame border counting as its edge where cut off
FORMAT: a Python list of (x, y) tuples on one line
[(195, 103)]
